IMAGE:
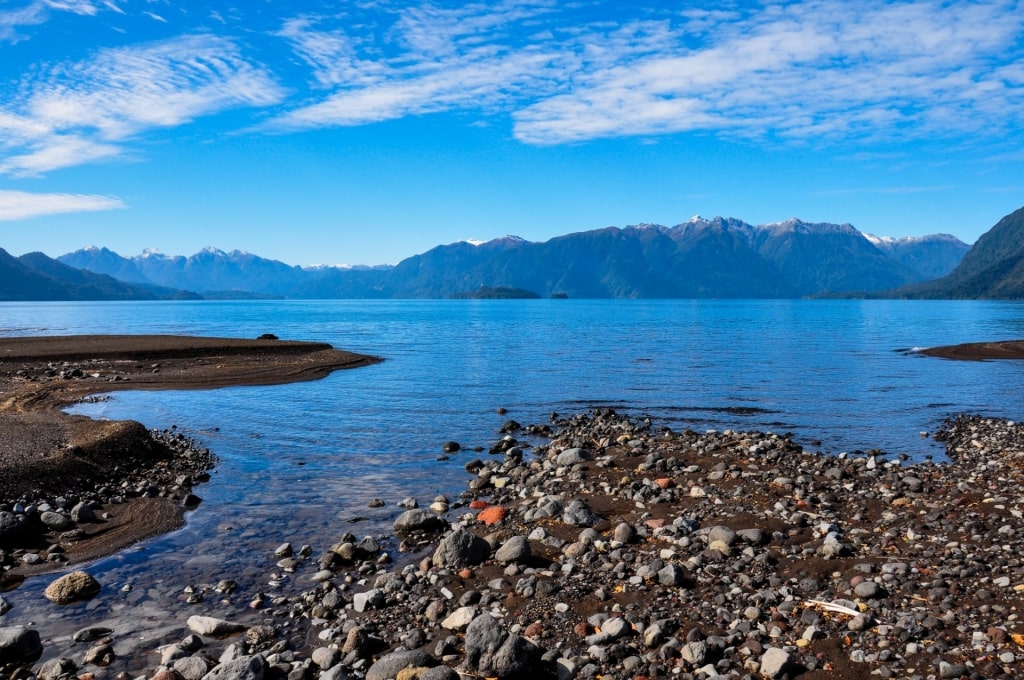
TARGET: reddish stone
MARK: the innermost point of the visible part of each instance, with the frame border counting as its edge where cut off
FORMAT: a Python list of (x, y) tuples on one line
[(534, 630), (582, 629), (492, 514), (478, 504), (465, 573), (665, 482), (654, 523)]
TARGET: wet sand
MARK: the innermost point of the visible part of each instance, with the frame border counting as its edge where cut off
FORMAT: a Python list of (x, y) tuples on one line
[(46, 453)]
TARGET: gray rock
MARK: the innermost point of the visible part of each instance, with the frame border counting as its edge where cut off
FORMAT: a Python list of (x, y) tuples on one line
[(723, 534), (484, 637), (326, 657), (571, 457), (54, 521), (860, 622), (191, 667), (516, 658), (19, 644), (752, 536), (616, 627), (460, 549), (624, 533), (242, 668), (370, 599), (579, 514), (83, 512), (438, 673), (672, 575), (5, 606), (336, 672), (419, 520), (565, 669), (389, 665), (212, 627), (91, 633), (868, 590), (695, 652), (101, 655), (11, 524), (56, 669), (515, 549), (774, 662)]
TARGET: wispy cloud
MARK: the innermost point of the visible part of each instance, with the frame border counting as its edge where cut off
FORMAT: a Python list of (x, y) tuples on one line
[(84, 111), (427, 60), (10, 20), (20, 205), (814, 71)]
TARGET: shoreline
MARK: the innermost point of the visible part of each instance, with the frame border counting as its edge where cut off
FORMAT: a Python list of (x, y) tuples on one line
[(978, 351), (134, 483)]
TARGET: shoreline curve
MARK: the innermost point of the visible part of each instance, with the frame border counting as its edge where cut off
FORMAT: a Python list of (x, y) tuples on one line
[(45, 452)]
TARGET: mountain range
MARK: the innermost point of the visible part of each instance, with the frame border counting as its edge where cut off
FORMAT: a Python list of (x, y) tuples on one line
[(720, 257), (992, 269), (34, 276)]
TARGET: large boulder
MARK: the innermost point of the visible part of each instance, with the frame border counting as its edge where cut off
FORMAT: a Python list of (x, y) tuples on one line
[(419, 519), (11, 525), (461, 549), (73, 587), (19, 644), (484, 637)]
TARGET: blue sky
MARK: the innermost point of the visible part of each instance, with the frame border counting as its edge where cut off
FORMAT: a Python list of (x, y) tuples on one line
[(368, 131)]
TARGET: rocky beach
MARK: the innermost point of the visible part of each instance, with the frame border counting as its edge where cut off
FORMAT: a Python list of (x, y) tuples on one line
[(591, 545)]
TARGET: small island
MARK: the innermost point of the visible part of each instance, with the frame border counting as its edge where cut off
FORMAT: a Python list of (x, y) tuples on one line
[(497, 293)]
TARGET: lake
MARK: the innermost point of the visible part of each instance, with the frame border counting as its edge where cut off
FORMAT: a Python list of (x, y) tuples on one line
[(298, 462)]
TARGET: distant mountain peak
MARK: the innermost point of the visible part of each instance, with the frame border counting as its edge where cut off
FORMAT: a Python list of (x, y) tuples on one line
[(151, 252), (210, 250), (508, 239)]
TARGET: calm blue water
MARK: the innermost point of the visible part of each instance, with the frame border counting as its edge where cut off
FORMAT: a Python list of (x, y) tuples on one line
[(299, 461)]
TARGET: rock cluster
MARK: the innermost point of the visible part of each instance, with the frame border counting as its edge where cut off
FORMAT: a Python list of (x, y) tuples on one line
[(163, 464), (625, 551)]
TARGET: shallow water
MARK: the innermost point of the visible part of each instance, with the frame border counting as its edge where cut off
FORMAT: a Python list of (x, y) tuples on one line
[(297, 462)]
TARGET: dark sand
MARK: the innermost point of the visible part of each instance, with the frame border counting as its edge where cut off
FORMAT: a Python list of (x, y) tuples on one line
[(45, 452), (979, 351)]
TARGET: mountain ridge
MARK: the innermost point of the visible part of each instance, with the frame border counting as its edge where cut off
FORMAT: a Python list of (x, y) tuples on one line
[(717, 257)]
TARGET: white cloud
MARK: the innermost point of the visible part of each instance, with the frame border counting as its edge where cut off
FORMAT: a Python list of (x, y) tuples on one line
[(811, 72), (20, 205), (814, 70), (84, 7), (84, 111), (30, 15)]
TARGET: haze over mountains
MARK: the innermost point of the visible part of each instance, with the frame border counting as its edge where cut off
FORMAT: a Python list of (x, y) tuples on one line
[(699, 258)]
